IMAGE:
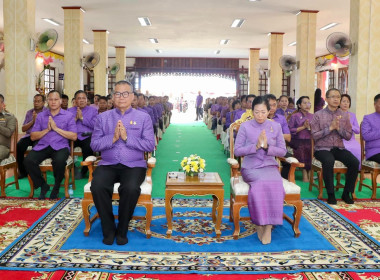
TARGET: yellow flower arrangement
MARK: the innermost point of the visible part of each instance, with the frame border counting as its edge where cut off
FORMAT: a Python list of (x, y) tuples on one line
[(193, 164)]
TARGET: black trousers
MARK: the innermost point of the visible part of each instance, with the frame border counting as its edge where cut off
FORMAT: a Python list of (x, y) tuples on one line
[(199, 111), (34, 158), (327, 158), (22, 146), (129, 191), (375, 158), (286, 167), (86, 150)]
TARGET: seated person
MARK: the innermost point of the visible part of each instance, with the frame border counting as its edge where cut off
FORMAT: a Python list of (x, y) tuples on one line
[(230, 115), (122, 135), (299, 125), (260, 140), (53, 129), (243, 106), (283, 109), (109, 102), (65, 102), (25, 141), (7, 127), (96, 101), (329, 127), (85, 119), (371, 133), (102, 104), (352, 145)]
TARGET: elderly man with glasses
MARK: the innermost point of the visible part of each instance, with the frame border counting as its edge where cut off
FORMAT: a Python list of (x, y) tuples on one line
[(329, 127), (122, 135)]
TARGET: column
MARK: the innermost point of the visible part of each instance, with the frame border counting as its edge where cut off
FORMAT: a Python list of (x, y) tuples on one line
[(275, 71), (20, 80), (122, 60), (305, 54), (73, 50), (363, 75), (100, 70), (253, 71)]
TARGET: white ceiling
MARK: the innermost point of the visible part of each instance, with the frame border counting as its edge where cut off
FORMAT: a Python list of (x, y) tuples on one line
[(193, 28)]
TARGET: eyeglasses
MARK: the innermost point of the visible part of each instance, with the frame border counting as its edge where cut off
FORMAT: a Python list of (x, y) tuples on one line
[(335, 97), (123, 94)]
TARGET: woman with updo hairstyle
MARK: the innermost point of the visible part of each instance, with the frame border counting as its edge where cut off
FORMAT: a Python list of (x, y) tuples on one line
[(261, 140), (299, 125)]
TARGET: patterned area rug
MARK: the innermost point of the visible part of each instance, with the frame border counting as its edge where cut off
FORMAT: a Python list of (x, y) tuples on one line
[(41, 247), (93, 275)]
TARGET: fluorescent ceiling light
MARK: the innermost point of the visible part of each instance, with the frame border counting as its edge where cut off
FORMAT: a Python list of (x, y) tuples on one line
[(52, 21), (86, 42), (224, 41), (153, 40), (158, 51), (144, 21), (292, 44), (217, 52), (328, 26), (237, 23), (254, 0)]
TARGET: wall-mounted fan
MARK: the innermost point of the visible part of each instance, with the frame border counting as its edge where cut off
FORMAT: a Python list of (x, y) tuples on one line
[(114, 69), (129, 76), (321, 62), (288, 64), (260, 69), (244, 77), (91, 60), (339, 44), (47, 40)]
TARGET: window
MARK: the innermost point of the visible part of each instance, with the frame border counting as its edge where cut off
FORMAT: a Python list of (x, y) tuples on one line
[(111, 83), (263, 83), (343, 80), (331, 79), (49, 78), (285, 84)]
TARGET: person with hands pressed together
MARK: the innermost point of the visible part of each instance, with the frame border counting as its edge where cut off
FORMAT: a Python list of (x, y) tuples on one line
[(329, 127), (25, 141), (85, 119), (53, 129), (260, 140), (122, 135)]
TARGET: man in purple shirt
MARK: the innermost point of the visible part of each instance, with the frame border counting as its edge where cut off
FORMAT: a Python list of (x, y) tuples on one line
[(53, 129), (198, 106), (371, 133), (85, 119), (329, 127), (122, 135), (25, 141)]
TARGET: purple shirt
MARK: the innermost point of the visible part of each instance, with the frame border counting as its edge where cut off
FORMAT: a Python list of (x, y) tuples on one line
[(199, 101), (320, 129), (371, 134), (131, 152), (155, 113), (238, 113), (64, 120), (285, 113), (282, 121), (297, 120), (246, 140), (28, 119), (319, 106), (87, 125), (224, 111), (149, 111), (228, 119), (214, 109)]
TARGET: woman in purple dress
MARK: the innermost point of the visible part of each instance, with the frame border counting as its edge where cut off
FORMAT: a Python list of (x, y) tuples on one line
[(283, 109), (260, 140), (319, 102), (352, 145), (299, 125)]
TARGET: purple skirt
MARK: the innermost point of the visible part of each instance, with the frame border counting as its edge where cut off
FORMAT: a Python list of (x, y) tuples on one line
[(266, 195), (302, 151)]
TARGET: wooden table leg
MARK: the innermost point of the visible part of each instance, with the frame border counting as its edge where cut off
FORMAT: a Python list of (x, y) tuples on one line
[(214, 205), (220, 198), (169, 213)]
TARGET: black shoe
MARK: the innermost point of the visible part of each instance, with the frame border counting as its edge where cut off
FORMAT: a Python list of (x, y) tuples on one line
[(54, 194), (44, 190), (346, 197), (109, 240), (121, 240), (331, 199)]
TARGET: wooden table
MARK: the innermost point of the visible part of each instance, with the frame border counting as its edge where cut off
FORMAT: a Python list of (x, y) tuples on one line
[(209, 184)]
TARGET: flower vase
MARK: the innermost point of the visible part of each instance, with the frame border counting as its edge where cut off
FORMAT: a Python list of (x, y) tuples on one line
[(192, 175)]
